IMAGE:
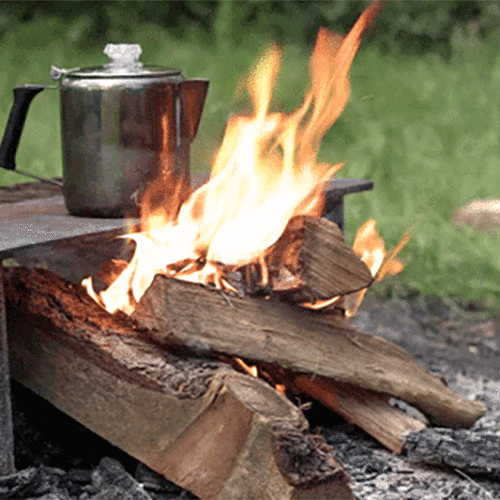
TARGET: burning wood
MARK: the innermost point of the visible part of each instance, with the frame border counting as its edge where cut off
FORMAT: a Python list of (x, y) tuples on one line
[(211, 430), (317, 263), (309, 263), (265, 173), (370, 247), (211, 321), (254, 229), (57, 321)]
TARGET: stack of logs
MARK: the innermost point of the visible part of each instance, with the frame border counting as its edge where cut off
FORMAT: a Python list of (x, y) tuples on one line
[(162, 385)]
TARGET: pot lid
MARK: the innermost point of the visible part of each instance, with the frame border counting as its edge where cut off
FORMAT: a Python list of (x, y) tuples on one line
[(124, 62)]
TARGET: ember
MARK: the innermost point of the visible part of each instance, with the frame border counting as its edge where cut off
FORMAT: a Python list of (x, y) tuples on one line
[(264, 176)]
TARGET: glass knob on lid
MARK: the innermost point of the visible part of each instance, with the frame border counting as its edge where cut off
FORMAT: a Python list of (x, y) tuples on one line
[(123, 56)]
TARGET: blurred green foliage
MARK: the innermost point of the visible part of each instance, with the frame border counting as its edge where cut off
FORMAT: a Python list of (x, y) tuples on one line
[(423, 120), (410, 26)]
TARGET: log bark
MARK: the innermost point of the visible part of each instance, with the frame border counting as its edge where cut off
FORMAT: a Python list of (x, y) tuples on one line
[(299, 340), (213, 431), (313, 250), (474, 452)]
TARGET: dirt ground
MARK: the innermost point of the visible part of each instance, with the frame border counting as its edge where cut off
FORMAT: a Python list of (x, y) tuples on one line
[(460, 344)]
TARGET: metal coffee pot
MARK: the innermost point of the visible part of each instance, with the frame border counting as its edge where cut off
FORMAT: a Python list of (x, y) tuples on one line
[(123, 125)]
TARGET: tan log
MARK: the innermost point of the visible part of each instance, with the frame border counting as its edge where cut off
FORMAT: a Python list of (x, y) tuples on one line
[(368, 410), (312, 249), (218, 433), (298, 339)]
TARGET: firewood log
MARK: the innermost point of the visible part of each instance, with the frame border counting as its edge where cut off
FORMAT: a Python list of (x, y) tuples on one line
[(313, 250), (475, 452), (368, 410), (216, 432), (299, 340)]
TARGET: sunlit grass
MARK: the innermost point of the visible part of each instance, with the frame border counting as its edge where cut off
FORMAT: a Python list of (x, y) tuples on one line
[(425, 130)]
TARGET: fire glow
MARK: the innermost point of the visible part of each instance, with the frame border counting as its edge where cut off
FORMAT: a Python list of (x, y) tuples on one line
[(265, 173)]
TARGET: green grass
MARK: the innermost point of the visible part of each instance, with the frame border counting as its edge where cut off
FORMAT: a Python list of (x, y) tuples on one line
[(424, 129), (427, 131)]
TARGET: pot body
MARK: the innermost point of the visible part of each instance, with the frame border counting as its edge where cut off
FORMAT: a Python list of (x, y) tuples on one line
[(124, 125), (117, 138)]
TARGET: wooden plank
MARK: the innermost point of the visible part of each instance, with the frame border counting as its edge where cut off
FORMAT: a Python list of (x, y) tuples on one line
[(215, 432), (299, 340)]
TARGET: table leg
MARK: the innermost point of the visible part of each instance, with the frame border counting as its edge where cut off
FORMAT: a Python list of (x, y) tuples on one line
[(6, 430)]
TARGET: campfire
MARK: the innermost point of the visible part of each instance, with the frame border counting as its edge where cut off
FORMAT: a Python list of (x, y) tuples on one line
[(242, 232), (242, 274)]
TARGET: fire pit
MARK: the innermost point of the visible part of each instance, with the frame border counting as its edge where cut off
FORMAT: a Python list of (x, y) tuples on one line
[(356, 450), (190, 337), (54, 249)]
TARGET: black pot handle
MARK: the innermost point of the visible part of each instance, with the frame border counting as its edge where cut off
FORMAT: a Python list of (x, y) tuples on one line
[(23, 95)]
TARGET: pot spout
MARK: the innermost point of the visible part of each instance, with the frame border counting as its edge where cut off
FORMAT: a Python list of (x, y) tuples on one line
[(193, 94)]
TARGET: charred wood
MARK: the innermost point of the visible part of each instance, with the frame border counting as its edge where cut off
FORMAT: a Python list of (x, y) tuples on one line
[(474, 452), (110, 480)]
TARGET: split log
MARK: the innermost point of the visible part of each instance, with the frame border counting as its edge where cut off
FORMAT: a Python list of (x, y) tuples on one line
[(211, 430), (312, 249), (475, 452), (368, 410), (299, 340)]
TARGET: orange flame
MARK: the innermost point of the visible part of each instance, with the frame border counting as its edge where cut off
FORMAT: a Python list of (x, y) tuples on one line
[(264, 173), (370, 247), (249, 370)]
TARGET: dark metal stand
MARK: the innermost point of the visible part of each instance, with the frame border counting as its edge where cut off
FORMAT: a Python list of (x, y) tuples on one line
[(335, 191), (6, 431)]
